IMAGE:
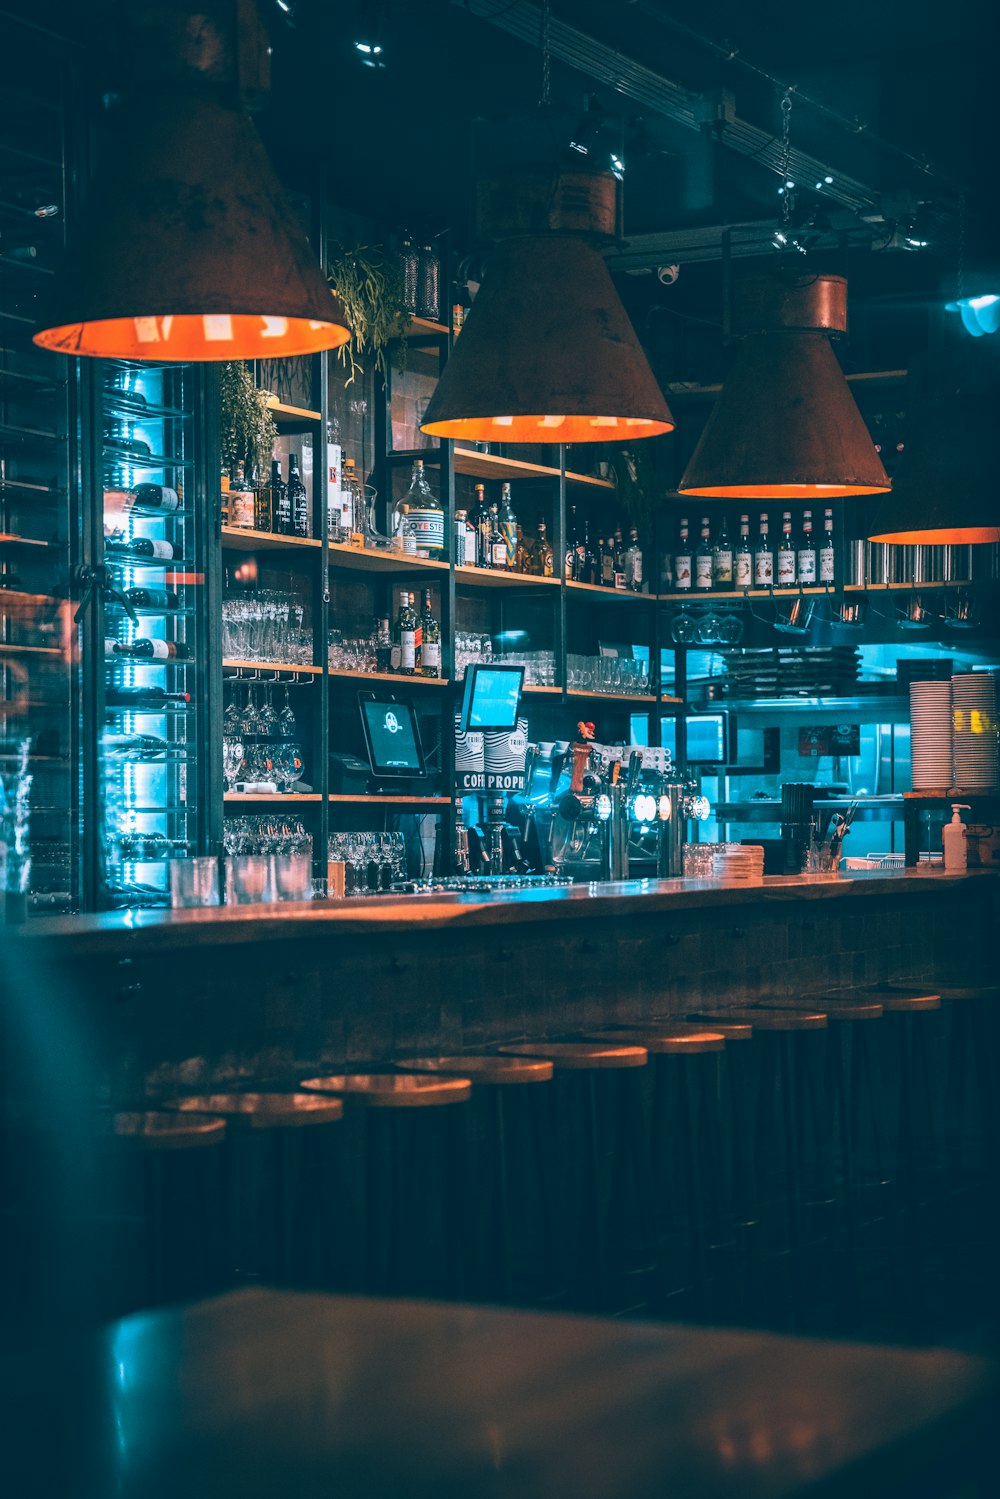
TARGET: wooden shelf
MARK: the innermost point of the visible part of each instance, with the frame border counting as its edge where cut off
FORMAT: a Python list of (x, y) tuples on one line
[(425, 325), (709, 595), (8, 539), (291, 419), (271, 796), (312, 671), (363, 798), (490, 466), (617, 697), (486, 577), (615, 595), (388, 676), (543, 691), (358, 559), (916, 587), (29, 650), (236, 539)]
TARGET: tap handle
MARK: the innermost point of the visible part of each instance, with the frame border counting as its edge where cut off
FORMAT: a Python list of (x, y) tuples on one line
[(634, 772)]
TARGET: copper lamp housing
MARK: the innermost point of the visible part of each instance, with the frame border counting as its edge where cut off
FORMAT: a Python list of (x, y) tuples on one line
[(547, 352), (946, 491), (785, 425)]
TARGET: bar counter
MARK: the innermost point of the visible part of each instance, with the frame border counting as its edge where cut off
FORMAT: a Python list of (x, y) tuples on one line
[(220, 995)]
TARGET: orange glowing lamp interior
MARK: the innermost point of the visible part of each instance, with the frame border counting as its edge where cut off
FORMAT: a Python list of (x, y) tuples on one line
[(546, 428), (193, 337), (945, 535), (783, 491)]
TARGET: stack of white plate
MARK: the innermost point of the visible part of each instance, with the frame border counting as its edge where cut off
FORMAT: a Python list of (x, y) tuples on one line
[(739, 864), (974, 715), (930, 735)]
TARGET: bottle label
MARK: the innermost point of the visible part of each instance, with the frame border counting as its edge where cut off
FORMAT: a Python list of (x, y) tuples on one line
[(241, 508), (407, 650), (682, 570), (509, 534), (763, 572), (703, 572), (722, 567), (826, 564), (409, 543), (470, 547), (570, 559), (786, 569), (395, 658), (430, 657), (607, 571), (498, 554), (428, 526), (743, 570), (160, 651), (461, 547), (162, 549), (619, 578), (807, 566), (636, 569)]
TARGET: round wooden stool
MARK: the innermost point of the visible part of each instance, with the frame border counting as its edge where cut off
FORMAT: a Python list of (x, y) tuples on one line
[(163, 1216), (686, 1154), (279, 1187), (510, 1228), (408, 1192), (602, 1170)]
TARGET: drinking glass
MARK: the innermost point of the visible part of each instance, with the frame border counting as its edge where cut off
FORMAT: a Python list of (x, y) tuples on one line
[(194, 882), (249, 879), (232, 759), (293, 876)]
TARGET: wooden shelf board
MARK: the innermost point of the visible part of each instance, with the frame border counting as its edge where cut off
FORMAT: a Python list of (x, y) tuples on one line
[(915, 587), (356, 559), (388, 676), (486, 577), (271, 796), (7, 538), (491, 466), (312, 671), (425, 325), (616, 697), (543, 691), (362, 798), (618, 595), (29, 650), (287, 417), (236, 539), (710, 595)]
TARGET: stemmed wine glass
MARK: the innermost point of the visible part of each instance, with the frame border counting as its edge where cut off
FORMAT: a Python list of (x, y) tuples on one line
[(287, 727), (267, 718), (250, 722)]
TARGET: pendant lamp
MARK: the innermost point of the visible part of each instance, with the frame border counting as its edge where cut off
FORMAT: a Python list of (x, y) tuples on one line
[(785, 425), (946, 492), (187, 248), (547, 352)]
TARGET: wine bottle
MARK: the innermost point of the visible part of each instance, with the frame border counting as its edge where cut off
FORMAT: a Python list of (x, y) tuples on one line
[(140, 546), (154, 497), (263, 505), (152, 598), (569, 561), (618, 560), (722, 559), (298, 499), (142, 697), (786, 553), (406, 630), (607, 555), (139, 746), (633, 563), (145, 649), (498, 544), (430, 640), (683, 560), (541, 555), (826, 565), (806, 561)]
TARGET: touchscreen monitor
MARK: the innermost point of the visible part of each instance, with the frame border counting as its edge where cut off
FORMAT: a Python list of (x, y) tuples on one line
[(492, 697)]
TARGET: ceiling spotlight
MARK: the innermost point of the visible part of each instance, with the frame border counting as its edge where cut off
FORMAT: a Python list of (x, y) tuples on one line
[(368, 36)]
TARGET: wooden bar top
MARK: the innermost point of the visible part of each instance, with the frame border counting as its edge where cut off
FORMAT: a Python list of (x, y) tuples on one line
[(260, 1393), (123, 931)]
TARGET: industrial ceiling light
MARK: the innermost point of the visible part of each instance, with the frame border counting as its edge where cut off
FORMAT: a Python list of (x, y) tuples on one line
[(187, 248), (785, 425), (946, 492), (547, 353)]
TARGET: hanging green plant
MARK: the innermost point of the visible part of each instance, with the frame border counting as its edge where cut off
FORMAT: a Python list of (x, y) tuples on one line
[(369, 286), (247, 429)]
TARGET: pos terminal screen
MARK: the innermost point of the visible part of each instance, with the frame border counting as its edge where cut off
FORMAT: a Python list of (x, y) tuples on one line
[(492, 695), (392, 738)]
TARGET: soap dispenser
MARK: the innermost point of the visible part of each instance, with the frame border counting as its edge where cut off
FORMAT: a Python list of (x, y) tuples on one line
[(953, 839)]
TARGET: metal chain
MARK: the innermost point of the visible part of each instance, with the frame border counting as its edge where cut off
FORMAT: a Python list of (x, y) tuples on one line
[(546, 18), (786, 149)]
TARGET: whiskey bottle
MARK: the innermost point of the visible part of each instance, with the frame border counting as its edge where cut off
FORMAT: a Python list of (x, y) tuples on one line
[(298, 499)]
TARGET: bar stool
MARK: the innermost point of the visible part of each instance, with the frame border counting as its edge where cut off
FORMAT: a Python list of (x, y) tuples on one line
[(163, 1218), (603, 1171), (510, 1227), (685, 1110), (410, 1197), (790, 1115), (279, 1181)]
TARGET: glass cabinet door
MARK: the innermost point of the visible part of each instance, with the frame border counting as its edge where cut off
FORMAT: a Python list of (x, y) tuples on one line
[(149, 757)]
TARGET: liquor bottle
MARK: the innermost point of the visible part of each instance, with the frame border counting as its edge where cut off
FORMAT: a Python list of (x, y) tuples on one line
[(404, 531), (743, 561), (224, 493), (667, 571), (522, 552), (263, 504), (142, 697), (298, 499), (786, 553), (618, 560), (481, 525), (144, 649), (383, 645), (425, 514), (607, 555), (682, 559), (826, 568), (633, 563), (465, 540), (569, 559), (763, 558), (590, 566), (241, 500), (140, 546), (497, 544), (703, 557), (722, 559), (806, 561), (541, 556), (152, 598), (508, 526), (430, 642), (335, 529), (406, 633), (154, 497), (138, 746), (275, 509)]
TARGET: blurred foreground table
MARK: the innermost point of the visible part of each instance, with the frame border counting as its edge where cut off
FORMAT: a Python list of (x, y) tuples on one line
[(261, 1394)]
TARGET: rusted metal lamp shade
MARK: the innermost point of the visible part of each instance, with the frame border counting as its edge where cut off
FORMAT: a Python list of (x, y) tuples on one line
[(547, 352), (946, 492), (187, 248), (785, 425)]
